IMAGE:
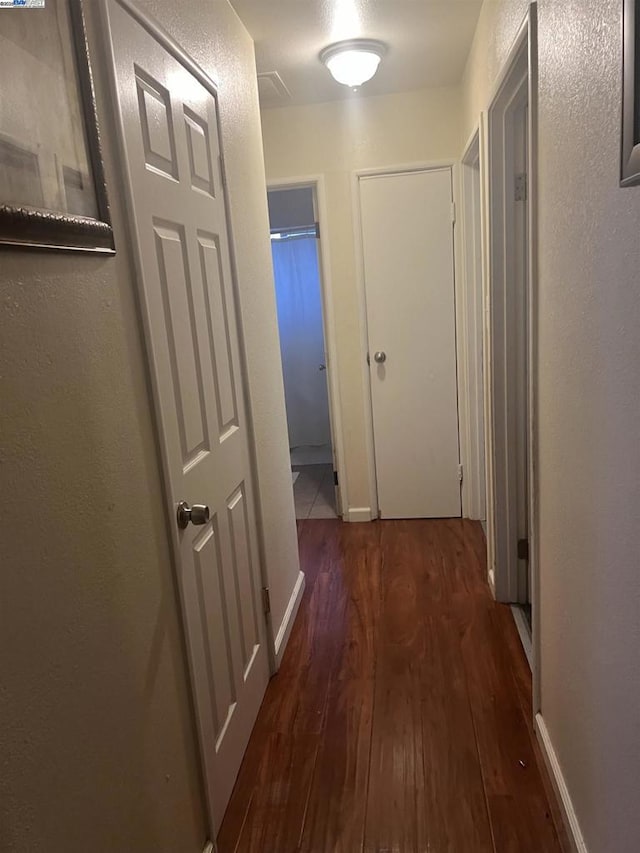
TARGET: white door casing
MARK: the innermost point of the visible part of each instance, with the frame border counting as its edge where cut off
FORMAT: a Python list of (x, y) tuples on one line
[(520, 288), (508, 339), (517, 82), (472, 333), (329, 361), (408, 260), (171, 150)]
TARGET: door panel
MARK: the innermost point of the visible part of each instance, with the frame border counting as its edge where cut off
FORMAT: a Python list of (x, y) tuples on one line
[(216, 313), (177, 298), (172, 153), (407, 234)]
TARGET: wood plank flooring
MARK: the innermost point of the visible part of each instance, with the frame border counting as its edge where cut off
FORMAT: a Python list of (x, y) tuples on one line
[(400, 719)]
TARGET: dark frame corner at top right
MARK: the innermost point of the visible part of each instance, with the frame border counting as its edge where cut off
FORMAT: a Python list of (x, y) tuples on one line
[(630, 156)]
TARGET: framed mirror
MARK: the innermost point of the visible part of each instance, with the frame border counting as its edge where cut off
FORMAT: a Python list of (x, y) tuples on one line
[(52, 188), (630, 165)]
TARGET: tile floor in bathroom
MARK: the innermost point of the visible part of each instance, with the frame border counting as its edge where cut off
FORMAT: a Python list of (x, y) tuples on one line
[(314, 492)]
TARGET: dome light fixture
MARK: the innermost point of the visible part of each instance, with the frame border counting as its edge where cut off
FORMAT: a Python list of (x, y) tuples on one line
[(353, 62)]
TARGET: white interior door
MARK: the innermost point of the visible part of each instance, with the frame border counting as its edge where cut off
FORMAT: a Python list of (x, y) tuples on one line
[(172, 154), (407, 233)]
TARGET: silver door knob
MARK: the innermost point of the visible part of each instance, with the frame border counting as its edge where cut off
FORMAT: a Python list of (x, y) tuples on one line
[(196, 514), (380, 357)]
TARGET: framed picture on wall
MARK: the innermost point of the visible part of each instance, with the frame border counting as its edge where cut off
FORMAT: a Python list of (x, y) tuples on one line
[(630, 166), (52, 188)]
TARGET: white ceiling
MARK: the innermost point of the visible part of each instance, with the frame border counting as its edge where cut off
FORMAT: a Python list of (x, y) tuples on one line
[(428, 42)]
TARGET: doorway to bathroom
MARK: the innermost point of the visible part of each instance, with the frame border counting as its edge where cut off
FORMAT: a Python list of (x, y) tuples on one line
[(306, 367)]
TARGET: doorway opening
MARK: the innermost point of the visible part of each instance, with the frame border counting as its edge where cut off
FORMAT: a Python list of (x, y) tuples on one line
[(511, 303), (298, 272)]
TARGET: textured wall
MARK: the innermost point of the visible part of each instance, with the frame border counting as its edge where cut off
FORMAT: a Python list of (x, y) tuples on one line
[(589, 453), (333, 140), (96, 731)]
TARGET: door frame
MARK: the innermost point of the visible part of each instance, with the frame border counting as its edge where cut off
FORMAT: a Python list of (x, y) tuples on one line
[(503, 567), (174, 49), (472, 436), (356, 214), (317, 184)]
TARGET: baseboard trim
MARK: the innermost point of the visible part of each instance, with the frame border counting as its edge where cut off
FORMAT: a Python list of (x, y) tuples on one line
[(525, 633), (359, 513), (282, 637), (560, 787)]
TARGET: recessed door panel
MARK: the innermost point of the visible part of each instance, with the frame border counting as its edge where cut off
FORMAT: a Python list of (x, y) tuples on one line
[(244, 575), (177, 297), (199, 148), (215, 627), (218, 332), (156, 124)]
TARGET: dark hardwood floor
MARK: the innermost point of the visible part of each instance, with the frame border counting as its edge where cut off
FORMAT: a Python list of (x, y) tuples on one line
[(400, 719)]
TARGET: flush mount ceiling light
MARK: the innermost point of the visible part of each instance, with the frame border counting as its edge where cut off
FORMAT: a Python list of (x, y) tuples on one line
[(353, 62)]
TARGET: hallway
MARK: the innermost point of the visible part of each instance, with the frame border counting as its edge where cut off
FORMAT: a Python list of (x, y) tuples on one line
[(400, 718)]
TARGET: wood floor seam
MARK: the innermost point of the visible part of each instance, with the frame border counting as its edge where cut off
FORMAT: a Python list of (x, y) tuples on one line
[(484, 786)]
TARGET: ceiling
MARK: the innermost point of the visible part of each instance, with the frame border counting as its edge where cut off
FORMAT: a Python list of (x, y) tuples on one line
[(428, 42)]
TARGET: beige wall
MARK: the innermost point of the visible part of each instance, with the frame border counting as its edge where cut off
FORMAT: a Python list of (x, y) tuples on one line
[(96, 732), (587, 374), (333, 140)]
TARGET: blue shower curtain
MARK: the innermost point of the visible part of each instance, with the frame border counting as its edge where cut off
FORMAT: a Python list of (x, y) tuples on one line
[(299, 301)]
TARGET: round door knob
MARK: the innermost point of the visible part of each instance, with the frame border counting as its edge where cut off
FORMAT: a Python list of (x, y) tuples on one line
[(197, 514), (380, 357)]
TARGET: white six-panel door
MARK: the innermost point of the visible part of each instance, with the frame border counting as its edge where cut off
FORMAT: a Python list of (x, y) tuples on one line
[(407, 236), (172, 153)]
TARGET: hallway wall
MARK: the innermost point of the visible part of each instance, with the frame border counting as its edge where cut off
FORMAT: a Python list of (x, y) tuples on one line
[(333, 140), (588, 381), (96, 730)]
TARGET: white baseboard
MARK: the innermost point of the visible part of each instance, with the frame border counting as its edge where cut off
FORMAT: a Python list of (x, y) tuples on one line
[(282, 637), (359, 513), (492, 581), (525, 633), (560, 787)]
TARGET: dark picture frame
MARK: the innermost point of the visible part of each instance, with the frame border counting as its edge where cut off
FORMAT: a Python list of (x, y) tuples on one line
[(630, 162), (25, 223)]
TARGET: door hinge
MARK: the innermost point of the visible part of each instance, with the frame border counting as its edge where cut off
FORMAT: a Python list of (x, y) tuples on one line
[(523, 549), (453, 212), (335, 478), (317, 230), (460, 473), (266, 600), (521, 189)]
